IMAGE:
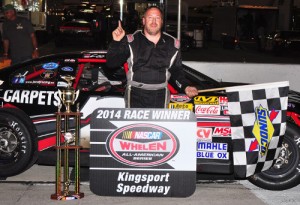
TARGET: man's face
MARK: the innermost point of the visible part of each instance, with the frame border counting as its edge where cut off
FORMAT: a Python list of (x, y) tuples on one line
[(152, 21), (10, 14)]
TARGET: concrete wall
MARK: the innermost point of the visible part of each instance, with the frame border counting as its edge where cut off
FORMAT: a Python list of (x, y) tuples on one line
[(249, 72)]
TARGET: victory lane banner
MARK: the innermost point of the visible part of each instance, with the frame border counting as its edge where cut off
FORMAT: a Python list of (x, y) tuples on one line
[(143, 152)]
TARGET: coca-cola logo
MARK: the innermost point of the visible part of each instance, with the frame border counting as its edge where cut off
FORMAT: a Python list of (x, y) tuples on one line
[(207, 110)]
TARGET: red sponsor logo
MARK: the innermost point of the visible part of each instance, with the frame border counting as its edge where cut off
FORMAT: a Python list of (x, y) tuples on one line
[(207, 110), (223, 100), (222, 131), (204, 133)]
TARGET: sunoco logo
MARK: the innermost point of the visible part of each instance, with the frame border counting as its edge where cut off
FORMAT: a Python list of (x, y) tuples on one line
[(142, 145), (263, 129)]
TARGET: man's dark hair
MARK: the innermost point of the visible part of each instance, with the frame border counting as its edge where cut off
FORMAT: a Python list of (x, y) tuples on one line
[(154, 7)]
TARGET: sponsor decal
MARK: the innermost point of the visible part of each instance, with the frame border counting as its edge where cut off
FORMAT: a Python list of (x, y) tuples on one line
[(204, 134), (263, 129), (41, 82), (93, 55), (212, 146), (62, 84), (206, 100), (67, 68), (179, 98), (212, 150), (212, 155), (19, 78), (142, 145), (297, 141), (18, 131), (186, 106), (32, 97), (48, 74), (207, 109), (224, 110), (222, 132), (223, 101), (50, 66), (142, 183), (69, 60)]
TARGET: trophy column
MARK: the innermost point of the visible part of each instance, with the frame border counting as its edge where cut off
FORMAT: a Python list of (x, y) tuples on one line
[(67, 140), (70, 136)]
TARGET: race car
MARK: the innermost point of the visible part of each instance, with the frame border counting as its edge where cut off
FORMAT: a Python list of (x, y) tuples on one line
[(29, 99)]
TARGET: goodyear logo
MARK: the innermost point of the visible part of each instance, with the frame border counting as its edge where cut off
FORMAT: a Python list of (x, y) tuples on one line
[(186, 106), (263, 129), (206, 100)]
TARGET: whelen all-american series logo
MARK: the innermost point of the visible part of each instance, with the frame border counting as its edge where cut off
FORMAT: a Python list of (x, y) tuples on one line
[(142, 145)]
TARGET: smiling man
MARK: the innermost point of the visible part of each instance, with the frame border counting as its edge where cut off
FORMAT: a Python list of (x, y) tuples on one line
[(153, 58)]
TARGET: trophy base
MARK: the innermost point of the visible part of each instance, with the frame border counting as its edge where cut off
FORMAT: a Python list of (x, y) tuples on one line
[(71, 196)]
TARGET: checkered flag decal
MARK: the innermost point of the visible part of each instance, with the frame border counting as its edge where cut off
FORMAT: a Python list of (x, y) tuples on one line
[(258, 123)]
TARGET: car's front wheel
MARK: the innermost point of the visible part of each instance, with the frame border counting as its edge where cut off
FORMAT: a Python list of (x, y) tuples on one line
[(285, 173), (17, 144)]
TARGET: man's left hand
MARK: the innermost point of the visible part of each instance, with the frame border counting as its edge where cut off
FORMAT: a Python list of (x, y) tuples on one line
[(191, 91)]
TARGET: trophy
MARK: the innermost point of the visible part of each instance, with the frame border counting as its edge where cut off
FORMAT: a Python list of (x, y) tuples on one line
[(68, 95), (67, 138)]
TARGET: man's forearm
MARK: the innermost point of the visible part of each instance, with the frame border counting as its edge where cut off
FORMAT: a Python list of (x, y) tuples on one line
[(5, 47), (34, 41)]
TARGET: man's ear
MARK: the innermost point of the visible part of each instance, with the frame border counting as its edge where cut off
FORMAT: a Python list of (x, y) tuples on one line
[(143, 19)]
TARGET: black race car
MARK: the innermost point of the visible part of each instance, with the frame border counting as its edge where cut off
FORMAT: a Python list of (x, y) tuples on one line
[(29, 99)]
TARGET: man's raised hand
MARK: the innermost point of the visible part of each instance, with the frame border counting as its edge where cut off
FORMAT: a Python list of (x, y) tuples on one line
[(118, 33)]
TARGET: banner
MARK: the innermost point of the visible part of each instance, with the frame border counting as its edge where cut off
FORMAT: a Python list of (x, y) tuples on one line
[(143, 152), (258, 123)]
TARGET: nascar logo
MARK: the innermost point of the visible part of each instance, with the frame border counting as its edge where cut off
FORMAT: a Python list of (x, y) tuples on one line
[(141, 135)]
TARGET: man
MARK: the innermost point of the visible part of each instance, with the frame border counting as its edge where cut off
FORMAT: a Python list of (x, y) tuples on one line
[(153, 58), (18, 37)]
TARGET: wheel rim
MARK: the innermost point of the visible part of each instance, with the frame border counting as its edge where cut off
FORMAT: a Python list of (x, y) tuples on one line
[(286, 162), (9, 145)]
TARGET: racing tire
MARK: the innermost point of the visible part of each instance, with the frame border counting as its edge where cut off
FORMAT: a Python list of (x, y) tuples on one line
[(285, 173), (18, 144)]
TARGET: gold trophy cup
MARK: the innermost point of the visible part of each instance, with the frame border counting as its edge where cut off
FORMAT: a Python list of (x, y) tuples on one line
[(67, 138), (68, 95)]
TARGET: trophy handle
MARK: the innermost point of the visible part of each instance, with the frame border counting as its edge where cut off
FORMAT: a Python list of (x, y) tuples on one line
[(60, 94), (77, 94)]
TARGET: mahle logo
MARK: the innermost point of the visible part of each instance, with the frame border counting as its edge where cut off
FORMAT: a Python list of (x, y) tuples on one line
[(263, 129)]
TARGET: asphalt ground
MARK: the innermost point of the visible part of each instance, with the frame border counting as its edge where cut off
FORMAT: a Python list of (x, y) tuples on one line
[(36, 185)]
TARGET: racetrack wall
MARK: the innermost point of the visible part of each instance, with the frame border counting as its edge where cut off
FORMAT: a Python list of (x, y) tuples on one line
[(249, 72)]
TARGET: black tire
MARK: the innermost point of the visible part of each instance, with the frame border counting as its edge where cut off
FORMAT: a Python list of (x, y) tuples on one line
[(285, 174), (18, 144)]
